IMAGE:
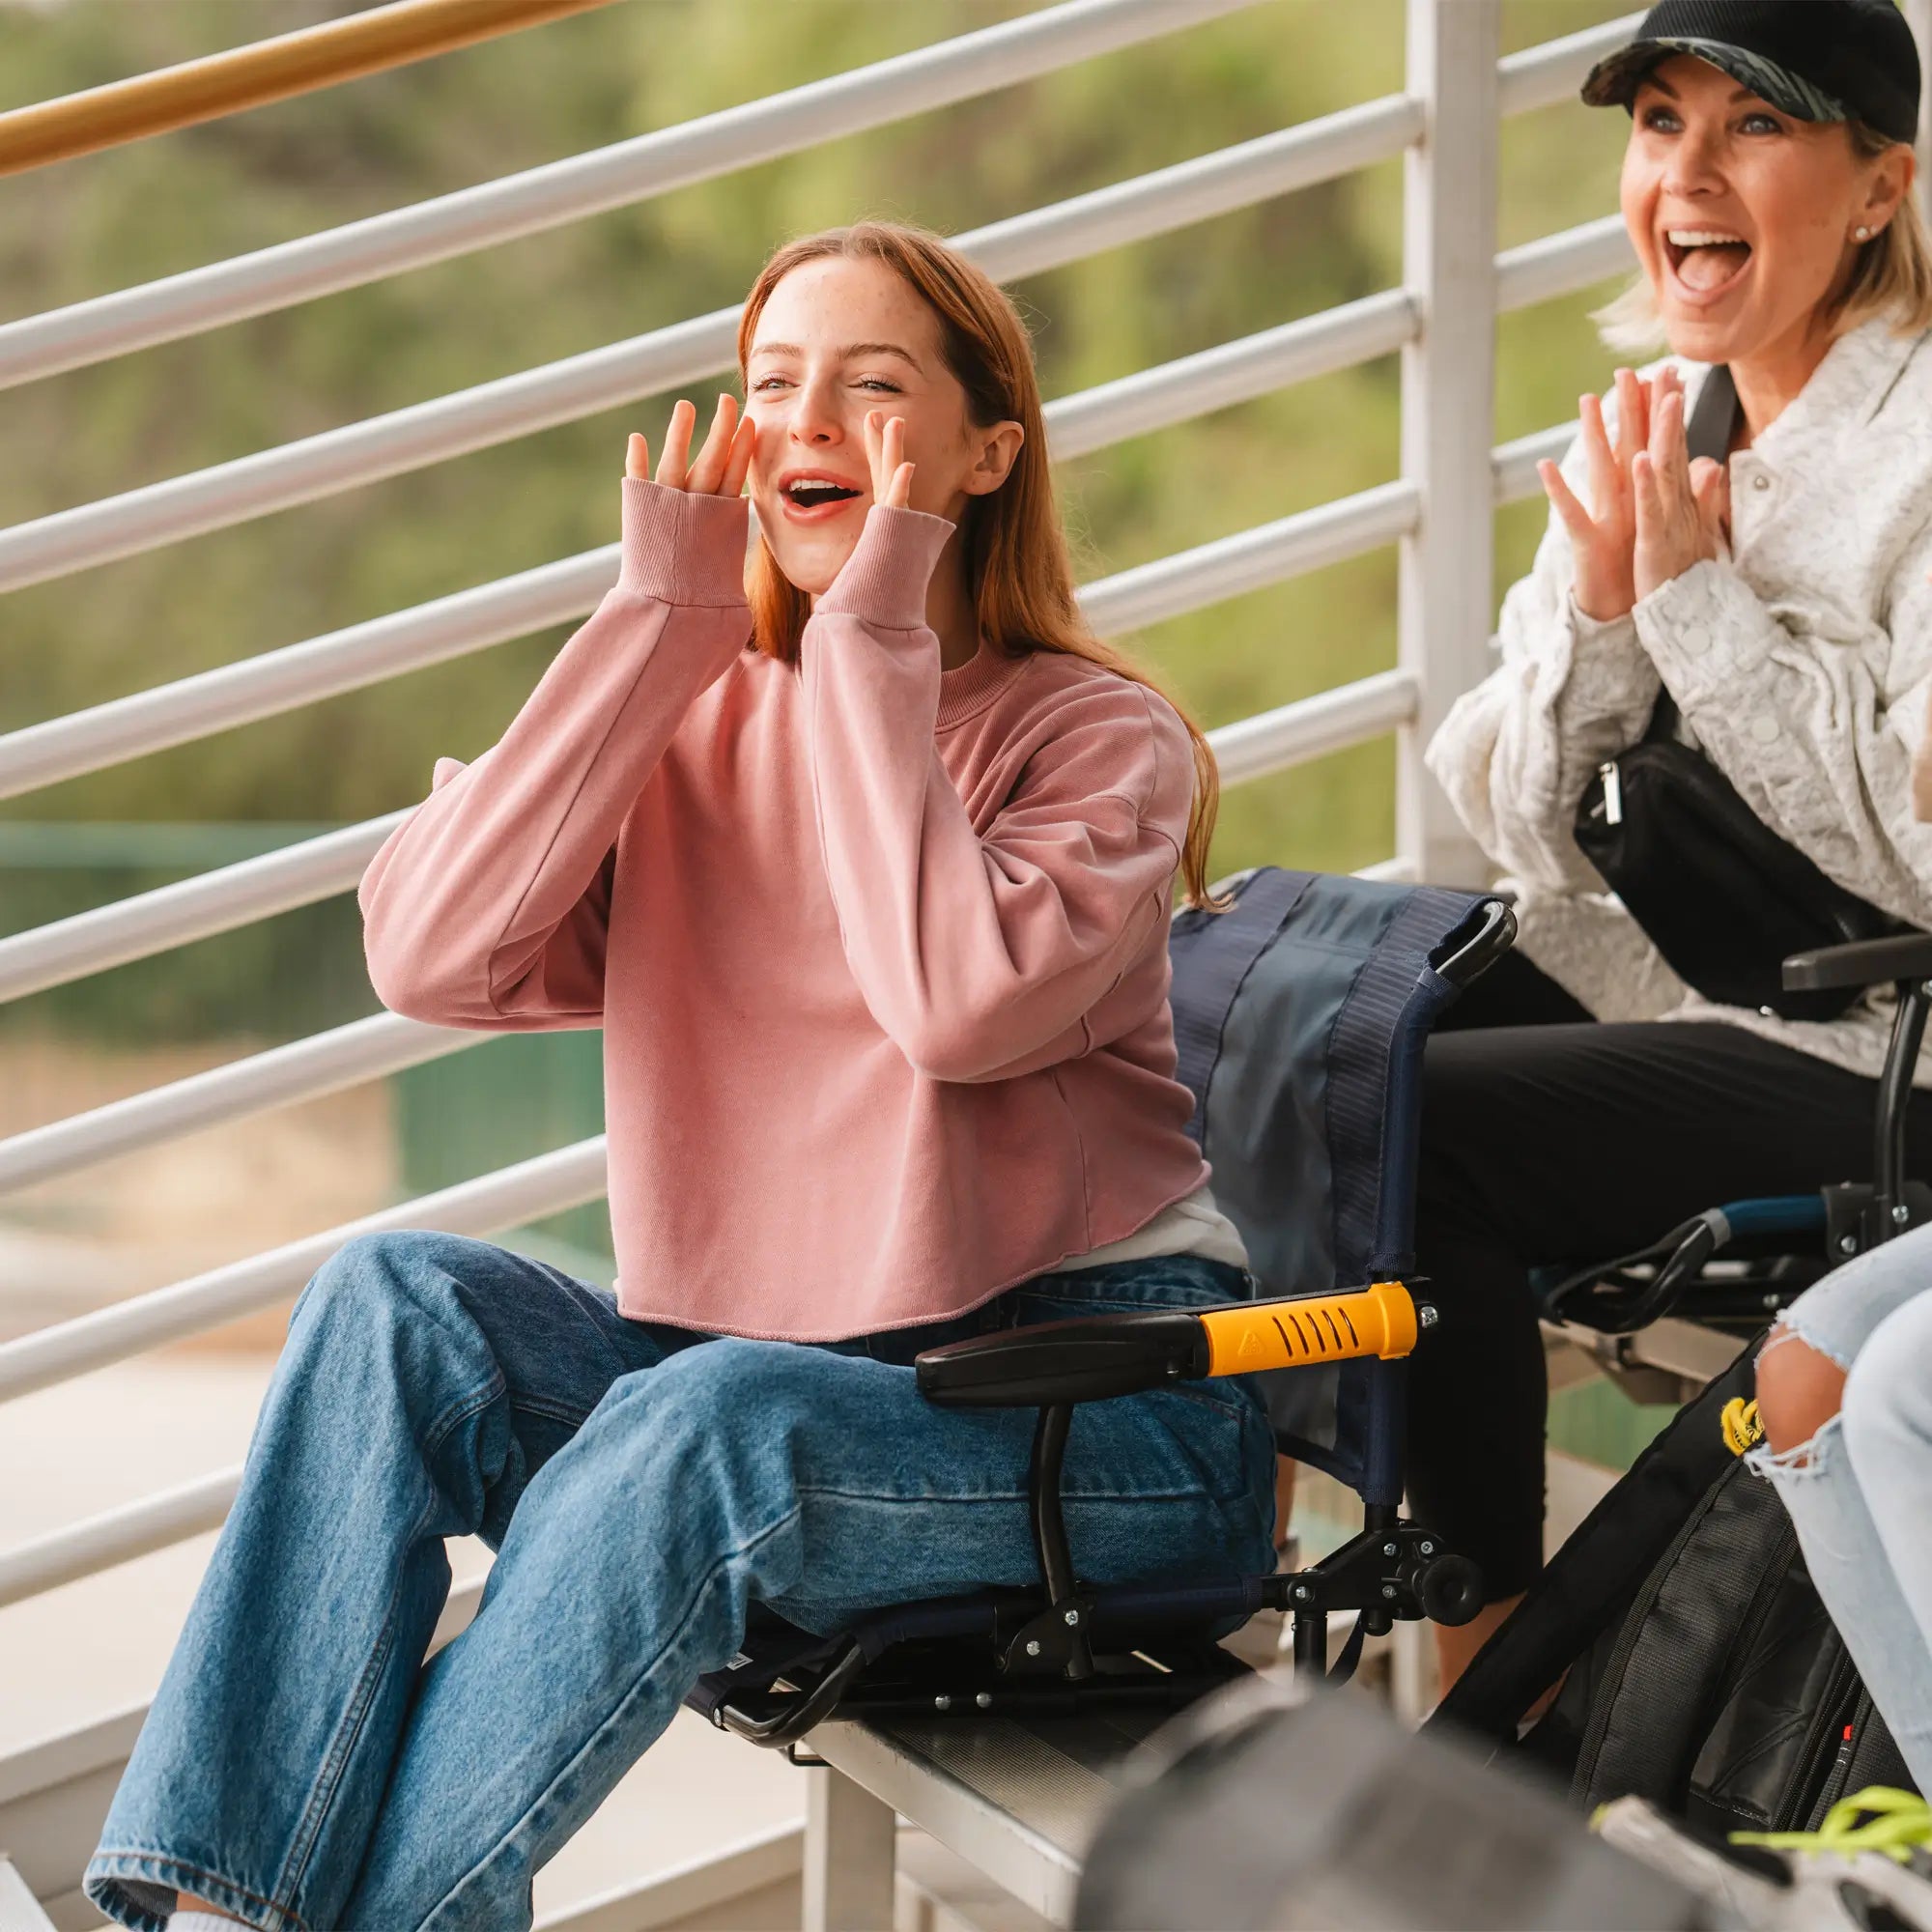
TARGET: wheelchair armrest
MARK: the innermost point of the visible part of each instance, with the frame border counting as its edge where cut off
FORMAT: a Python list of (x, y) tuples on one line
[(1101, 1355), (1864, 963)]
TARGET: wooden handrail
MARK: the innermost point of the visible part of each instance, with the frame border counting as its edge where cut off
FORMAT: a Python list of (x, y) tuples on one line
[(259, 72)]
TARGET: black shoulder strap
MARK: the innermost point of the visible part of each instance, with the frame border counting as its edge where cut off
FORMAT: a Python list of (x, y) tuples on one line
[(1713, 417), (1712, 423)]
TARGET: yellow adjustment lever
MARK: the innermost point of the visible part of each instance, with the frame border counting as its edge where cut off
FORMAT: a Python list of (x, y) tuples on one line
[(1306, 1329)]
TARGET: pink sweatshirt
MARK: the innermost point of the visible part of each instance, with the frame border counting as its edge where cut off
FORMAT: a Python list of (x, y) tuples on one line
[(879, 952)]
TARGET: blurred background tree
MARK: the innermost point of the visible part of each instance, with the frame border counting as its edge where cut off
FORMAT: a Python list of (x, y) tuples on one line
[(111, 221)]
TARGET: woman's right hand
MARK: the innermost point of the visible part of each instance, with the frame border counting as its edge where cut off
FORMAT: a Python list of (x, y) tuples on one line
[(721, 464), (1603, 537)]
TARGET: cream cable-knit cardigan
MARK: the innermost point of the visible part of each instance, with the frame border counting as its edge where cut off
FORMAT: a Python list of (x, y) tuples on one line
[(1801, 664)]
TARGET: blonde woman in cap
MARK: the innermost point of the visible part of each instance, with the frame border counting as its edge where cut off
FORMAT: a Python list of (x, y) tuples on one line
[(1765, 604)]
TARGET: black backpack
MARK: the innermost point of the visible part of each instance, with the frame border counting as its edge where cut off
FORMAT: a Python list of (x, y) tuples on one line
[(1704, 1674)]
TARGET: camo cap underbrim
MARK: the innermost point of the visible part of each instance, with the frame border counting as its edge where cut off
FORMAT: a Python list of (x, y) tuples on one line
[(1613, 82)]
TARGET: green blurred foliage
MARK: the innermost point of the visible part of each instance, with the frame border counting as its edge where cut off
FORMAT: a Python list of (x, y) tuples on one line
[(100, 223)]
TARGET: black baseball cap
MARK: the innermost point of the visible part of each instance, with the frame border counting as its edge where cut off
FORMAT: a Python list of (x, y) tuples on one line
[(1816, 60)]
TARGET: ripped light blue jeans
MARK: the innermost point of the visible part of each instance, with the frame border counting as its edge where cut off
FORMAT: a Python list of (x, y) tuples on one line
[(1860, 1492), (642, 1485)]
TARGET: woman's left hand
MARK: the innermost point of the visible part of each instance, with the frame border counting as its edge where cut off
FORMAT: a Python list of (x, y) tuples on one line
[(885, 451), (1683, 508)]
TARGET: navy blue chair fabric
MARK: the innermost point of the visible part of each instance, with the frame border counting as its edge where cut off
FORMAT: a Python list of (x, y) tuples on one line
[(1300, 1018)]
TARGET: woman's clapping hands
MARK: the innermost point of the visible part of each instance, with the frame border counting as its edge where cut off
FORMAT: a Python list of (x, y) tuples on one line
[(1652, 513), (1682, 506), (721, 464)]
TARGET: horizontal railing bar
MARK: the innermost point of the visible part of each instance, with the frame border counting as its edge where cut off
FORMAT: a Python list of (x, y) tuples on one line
[(1559, 265), (1251, 559), (1312, 727), (273, 682), (1513, 464), (316, 868), (1195, 190), (874, 96), (116, 1536), (238, 491), (198, 908), (278, 681), (1230, 372), (1543, 76), (304, 1070), (373, 40), (508, 1198)]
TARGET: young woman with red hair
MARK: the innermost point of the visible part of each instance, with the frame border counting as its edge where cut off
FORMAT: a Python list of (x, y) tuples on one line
[(862, 854)]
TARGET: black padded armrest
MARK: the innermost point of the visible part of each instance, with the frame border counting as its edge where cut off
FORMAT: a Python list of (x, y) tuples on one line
[(1095, 1356), (1085, 1360), (1865, 962)]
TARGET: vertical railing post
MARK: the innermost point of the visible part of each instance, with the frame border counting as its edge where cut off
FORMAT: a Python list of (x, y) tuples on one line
[(1448, 407)]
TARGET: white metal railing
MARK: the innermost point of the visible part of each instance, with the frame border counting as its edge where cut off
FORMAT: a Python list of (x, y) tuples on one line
[(304, 1070), (1437, 511), (546, 1184), (489, 414), (512, 607), (587, 184), (363, 654)]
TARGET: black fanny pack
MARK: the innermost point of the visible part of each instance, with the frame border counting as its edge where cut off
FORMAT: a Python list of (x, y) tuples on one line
[(1715, 891)]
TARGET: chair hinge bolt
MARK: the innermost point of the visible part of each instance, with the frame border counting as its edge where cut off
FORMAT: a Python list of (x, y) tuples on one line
[(984, 1700), (942, 1703), (1073, 1616)]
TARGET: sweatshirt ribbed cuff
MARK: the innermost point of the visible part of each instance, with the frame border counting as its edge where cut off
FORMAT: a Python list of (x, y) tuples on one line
[(884, 580), (682, 547)]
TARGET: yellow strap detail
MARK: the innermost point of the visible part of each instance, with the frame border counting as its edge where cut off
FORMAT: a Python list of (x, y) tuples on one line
[(1894, 1821), (1741, 1425)]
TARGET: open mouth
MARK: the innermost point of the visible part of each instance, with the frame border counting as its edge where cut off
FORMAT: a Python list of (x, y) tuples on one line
[(1706, 263), (813, 497)]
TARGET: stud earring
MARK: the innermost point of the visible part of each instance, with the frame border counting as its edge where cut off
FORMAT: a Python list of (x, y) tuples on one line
[(1861, 234)]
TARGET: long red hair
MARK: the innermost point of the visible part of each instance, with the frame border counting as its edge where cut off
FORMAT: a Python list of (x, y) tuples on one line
[(1017, 563)]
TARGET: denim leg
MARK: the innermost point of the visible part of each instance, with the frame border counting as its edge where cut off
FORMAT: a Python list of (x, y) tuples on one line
[(1874, 1457), (816, 1481), (425, 1381), (1888, 1439)]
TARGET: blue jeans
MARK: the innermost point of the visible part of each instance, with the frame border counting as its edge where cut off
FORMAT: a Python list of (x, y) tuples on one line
[(1859, 1492), (303, 1768)]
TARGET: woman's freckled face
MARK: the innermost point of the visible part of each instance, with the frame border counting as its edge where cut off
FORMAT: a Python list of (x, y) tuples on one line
[(837, 339), (1767, 202)]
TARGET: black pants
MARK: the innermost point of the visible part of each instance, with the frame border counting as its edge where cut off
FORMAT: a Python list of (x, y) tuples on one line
[(1546, 1138)]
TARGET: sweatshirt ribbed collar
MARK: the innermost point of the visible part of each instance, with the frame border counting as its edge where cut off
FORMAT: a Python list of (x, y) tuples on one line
[(974, 684)]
